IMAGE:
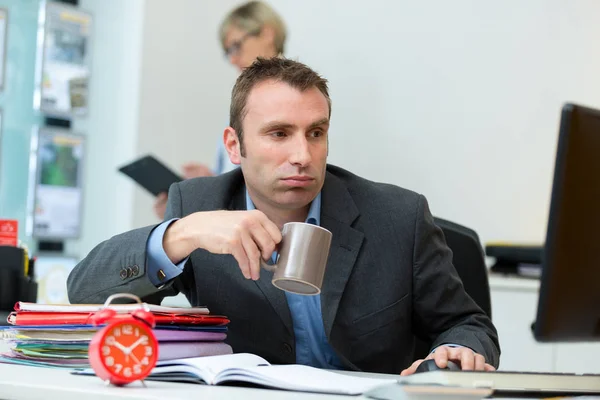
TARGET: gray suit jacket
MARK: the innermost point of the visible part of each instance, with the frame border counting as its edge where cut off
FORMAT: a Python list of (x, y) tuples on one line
[(389, 277)]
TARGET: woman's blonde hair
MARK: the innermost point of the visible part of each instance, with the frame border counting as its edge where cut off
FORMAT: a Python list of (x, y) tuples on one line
[(252, 17)]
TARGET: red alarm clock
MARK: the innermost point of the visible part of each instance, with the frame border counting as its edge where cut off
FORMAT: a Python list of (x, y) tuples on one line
[(125, 350)]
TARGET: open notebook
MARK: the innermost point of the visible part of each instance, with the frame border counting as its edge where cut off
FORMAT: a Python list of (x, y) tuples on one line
[(252, 369)]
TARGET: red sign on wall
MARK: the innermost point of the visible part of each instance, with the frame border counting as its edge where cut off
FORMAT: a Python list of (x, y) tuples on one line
[(9, 232)]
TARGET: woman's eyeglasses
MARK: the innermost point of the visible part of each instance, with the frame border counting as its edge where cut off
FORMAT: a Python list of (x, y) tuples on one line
[(235, 47)]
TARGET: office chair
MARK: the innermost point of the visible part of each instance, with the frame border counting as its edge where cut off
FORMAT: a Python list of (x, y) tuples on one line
[(469, 261)]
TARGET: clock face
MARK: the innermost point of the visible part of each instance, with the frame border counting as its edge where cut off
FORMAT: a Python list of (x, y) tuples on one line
[(128, 350)]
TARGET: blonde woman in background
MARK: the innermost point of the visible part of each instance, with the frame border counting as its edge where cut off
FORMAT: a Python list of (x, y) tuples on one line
[(251, 30)]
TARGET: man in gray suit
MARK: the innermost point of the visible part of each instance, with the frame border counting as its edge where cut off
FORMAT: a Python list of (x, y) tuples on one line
[(389, 277)]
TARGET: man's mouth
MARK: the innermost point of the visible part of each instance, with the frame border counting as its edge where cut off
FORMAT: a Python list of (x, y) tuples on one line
[(298, 180)]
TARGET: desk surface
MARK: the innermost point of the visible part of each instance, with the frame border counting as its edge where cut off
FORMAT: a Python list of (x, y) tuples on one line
[(22, 382)]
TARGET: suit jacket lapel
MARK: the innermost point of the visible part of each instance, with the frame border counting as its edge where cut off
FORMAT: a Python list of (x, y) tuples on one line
[(338, 212), (276, 297)]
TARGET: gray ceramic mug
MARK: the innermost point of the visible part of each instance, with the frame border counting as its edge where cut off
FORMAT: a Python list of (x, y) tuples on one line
[(301, 258)]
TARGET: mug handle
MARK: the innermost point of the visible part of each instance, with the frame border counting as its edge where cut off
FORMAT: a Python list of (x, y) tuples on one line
[(268, 267), (272, 268)]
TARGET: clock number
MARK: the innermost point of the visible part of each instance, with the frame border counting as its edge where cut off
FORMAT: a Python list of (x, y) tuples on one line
[(105, 350), (145, 361), (109, 361), (144, 340), (127, 372), (137, 369), (127, 329), (109, 341), (148, 350), (137, 332), (118, 368), (117, 332)]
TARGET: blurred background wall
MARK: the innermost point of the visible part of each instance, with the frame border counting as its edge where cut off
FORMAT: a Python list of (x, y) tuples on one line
[(457, 100)]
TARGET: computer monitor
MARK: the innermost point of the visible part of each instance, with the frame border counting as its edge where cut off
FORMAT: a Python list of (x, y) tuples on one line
[(569, 299), (55, 192)]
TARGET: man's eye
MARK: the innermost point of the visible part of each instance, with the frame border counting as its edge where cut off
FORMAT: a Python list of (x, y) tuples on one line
[(279, 134), (316, 134)]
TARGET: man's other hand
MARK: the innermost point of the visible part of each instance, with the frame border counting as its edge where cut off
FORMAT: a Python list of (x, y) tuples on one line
[(160, 205), (196, 170), (463, 356)]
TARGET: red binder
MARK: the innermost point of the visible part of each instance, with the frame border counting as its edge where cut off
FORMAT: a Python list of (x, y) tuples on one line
[(71, 318)]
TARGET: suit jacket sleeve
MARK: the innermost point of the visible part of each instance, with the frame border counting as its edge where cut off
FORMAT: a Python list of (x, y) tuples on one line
[(443, 311), (109, 268)]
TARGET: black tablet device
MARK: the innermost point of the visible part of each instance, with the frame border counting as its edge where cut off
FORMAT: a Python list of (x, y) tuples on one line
[(151, 174)]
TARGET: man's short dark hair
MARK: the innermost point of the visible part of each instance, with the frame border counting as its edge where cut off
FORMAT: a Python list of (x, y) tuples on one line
[(279, 69)]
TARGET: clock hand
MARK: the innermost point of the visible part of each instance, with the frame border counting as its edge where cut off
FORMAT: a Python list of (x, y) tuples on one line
[(124, 349), (136, 344), (135, 358)]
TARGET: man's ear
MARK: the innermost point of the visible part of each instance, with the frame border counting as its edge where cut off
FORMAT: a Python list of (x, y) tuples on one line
[(232, 145)]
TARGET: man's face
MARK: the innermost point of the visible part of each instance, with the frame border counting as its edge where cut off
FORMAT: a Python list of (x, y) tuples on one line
[(285, 143), (244, 47)]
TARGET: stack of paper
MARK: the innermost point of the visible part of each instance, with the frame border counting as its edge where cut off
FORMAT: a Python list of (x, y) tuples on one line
[(59, 335)]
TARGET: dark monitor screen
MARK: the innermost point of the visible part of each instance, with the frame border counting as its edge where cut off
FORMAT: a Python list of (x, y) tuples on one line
[(569, 300)]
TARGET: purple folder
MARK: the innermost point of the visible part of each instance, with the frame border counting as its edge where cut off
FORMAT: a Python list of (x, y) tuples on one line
[(168, 335), (175, 350)]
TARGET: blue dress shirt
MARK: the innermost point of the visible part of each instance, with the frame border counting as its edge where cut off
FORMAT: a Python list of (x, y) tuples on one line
[(312, 347)]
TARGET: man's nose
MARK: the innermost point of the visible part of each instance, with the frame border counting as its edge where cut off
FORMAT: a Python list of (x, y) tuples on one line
[(300, 155)]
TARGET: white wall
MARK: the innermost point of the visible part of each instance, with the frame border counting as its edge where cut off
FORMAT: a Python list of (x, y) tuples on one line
[(112, 125), (457, 100), (185, 87)]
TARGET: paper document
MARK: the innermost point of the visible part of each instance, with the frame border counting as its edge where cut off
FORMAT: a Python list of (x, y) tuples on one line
[(250, 368)]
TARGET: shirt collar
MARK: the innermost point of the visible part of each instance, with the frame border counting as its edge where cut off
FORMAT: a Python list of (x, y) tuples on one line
[(314, 212)]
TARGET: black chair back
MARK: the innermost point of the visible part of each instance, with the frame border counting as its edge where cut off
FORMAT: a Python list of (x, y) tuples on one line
[(469, 261)]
